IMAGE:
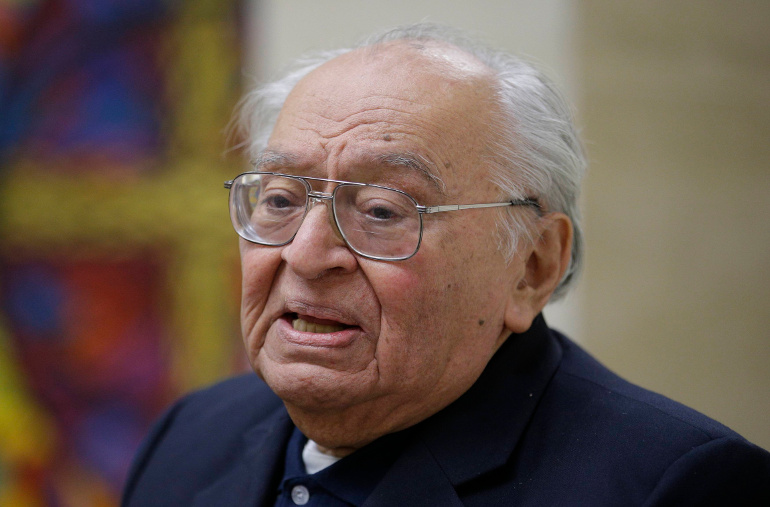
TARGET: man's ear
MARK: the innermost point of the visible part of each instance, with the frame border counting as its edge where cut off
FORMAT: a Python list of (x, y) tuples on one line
[(538, 269)]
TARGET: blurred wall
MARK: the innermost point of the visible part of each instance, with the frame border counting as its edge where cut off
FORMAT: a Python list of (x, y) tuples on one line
[(676, 108), (673, 101)]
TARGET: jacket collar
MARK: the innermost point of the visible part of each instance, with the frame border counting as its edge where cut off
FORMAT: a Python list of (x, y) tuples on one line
[(479, 432)]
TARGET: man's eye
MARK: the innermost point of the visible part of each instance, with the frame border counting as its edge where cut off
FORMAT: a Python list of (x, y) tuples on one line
[(382, 213), (280, 201), (277, 201)]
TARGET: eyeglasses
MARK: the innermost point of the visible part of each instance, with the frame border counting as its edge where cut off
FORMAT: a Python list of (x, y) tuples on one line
[(376, 222)]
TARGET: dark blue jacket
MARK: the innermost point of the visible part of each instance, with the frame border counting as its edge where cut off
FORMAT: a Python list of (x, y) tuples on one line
[(545, 425)]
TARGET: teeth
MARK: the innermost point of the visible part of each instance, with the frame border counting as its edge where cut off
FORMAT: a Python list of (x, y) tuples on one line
[(310, 327)]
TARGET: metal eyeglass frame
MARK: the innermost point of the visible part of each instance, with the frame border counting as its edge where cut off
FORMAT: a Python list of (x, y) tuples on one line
[(324, 196)]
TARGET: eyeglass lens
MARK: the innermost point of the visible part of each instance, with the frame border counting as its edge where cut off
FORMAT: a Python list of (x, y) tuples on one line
[(375, 221)]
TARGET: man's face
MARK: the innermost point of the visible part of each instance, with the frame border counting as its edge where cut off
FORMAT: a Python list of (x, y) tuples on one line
[(409, 337)]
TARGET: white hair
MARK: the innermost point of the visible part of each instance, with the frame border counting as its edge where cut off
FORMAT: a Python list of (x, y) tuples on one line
[(537, 152)]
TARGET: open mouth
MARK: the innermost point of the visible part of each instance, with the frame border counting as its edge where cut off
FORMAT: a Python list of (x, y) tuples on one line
[(309, 324)]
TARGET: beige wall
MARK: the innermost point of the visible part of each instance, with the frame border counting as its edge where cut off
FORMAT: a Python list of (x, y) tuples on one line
[(676, 108), (673, 100), (285, 29)]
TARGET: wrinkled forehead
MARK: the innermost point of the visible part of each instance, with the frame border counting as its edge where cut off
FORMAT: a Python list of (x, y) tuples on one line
[(429, 101)]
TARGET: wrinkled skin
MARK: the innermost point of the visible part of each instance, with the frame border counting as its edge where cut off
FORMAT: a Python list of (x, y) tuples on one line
[(418, 332)]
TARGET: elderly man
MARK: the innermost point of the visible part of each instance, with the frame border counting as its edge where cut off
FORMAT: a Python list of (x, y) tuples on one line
[(411, 210)]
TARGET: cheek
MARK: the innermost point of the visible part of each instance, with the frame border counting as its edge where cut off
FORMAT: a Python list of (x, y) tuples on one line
[(431, 344), (259, 266), (415, 301), (442, 297)]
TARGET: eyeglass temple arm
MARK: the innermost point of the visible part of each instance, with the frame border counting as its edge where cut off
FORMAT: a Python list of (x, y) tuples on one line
[(456, 207), (228, 184)]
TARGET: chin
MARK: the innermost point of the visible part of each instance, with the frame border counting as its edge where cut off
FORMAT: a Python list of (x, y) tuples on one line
[(315, 388)]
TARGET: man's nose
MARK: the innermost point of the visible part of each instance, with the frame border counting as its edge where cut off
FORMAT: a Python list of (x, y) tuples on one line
[(318, 246)]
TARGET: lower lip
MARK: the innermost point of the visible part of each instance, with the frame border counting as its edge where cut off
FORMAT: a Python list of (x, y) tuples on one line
[(337, 339)]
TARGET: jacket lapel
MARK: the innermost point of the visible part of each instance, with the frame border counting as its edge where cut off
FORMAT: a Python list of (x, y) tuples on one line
[(258, 468)]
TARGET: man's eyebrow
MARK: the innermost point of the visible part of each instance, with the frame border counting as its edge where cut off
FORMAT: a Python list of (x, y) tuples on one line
[(273, 158), (414, 162), (418, 163)]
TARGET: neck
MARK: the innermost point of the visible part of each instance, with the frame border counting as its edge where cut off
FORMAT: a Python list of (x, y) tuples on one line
[(340, 433)]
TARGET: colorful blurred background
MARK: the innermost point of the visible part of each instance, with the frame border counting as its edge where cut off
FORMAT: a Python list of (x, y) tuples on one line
[(118, 267)]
